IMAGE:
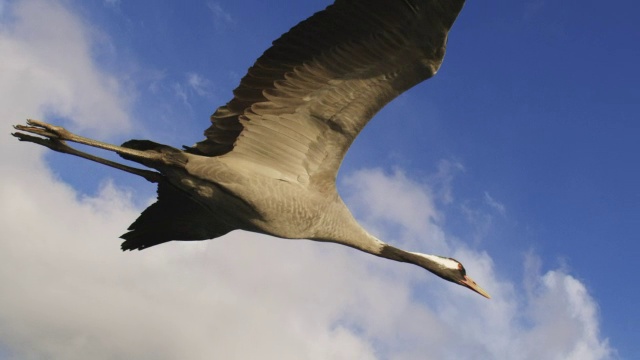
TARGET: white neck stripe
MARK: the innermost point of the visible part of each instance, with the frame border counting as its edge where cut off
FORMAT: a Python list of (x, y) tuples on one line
[(446, 262)]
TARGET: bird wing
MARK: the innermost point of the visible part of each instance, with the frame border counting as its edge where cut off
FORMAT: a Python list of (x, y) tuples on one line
[(303, 102)]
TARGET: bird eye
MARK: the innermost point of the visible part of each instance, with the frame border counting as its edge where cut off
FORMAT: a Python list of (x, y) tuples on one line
[(462, 269)]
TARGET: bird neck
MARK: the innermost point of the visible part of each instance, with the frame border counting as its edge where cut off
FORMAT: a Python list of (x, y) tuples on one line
[(368, 243), (342, 228), (426, 261)]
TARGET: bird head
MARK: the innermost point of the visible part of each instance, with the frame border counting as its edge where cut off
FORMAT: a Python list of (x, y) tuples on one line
[(451, 270)]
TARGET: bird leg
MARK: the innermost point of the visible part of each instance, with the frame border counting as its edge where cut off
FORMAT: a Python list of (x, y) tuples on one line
[(55, 137)]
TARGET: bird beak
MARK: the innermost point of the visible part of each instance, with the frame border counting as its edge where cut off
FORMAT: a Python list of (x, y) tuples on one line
[(469, 283)]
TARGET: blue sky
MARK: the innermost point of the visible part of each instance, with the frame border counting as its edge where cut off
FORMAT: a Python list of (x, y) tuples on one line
[(519, 157)]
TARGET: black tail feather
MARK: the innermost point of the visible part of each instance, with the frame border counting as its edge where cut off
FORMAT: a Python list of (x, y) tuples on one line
[(175, 216)]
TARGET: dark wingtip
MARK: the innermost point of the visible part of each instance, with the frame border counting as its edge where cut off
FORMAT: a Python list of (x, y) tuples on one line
[(126, 246), (130, 247), (130, 242)]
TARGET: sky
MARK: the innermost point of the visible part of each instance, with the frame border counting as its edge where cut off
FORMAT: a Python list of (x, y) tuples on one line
[(520, 159)]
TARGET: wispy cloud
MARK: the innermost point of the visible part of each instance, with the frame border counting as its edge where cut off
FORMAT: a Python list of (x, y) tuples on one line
[(181, 93), (221, 17), (199, 84), (480, 220), (497, 206), (442, 180), (194, 84)]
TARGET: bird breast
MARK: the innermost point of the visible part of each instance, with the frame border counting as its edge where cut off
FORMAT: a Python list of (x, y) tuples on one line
[(256, 201)]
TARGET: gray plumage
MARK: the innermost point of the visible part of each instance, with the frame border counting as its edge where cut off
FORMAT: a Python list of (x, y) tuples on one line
[(270, 158)]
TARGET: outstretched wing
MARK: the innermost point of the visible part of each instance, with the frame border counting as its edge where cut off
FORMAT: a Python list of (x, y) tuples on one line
[(303, 102)]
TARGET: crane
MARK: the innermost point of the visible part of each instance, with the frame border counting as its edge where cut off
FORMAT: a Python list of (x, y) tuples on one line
[(269, 160)]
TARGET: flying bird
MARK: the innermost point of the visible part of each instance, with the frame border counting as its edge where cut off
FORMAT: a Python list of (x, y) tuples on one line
[(270, 157)]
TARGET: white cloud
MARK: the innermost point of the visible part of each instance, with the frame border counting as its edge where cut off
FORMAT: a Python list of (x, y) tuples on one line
[(394, 199), (199, 84), (46, 58), (194, 83), (442, 180), (493, 203), (181, 94), (480, 220), (69, 293), (220, 16), (553, 308)]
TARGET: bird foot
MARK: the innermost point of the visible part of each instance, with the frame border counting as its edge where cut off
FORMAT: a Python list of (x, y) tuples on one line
[(52, 136), (44, 129), (55, 137)]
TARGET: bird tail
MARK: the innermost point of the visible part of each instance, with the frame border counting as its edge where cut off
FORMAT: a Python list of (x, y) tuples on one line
[(174, 216)]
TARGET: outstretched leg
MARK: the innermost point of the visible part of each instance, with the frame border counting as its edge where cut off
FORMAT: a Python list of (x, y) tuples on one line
[(54, 138)]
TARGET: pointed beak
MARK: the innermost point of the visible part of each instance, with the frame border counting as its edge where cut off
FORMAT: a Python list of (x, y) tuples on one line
[(469, 283)]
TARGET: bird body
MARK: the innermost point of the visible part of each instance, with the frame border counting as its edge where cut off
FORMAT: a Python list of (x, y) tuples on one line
[(271, 155), (263, 203)]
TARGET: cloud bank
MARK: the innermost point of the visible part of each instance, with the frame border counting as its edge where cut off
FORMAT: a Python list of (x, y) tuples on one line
[(69, 293), (47, 67)]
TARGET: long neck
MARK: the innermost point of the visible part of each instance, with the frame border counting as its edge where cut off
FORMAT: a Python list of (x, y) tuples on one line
[(343, 229), (423, 260), (360, 239)]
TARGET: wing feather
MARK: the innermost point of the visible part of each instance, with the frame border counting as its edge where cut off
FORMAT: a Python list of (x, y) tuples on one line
[(303, 102)]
